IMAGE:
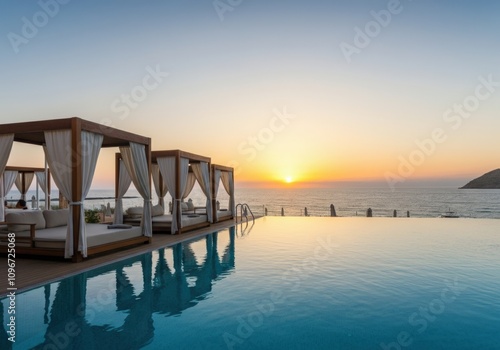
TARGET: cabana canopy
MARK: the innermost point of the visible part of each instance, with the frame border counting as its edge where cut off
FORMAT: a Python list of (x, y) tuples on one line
[(72, 146)]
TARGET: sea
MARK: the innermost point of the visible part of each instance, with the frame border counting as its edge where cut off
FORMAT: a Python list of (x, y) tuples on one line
[(416, 202)]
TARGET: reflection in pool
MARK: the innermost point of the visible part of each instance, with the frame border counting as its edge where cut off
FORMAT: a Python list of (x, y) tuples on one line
[(113, 306)]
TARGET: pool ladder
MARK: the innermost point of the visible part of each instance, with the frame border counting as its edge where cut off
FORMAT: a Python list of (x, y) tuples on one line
[(244, 210)]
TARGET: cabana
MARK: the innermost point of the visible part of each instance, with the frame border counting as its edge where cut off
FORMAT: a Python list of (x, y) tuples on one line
[(176, 172), (22, 177), (71, 148), (226, 175)]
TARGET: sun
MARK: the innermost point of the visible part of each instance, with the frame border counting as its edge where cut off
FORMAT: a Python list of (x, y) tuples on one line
[(288, 179)]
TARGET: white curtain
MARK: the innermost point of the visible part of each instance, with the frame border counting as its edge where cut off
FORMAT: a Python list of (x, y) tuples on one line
[(91, 146), (134, 158), (160, 192), (9, 177), (228, 182), (41, 178), (169, 172), (28, 179), (59, 157), (2, 207), (191, 180), (19, 184), (217, 175), (232, 202), (5, 148), (124, 182), (183, 183), (202, 174)]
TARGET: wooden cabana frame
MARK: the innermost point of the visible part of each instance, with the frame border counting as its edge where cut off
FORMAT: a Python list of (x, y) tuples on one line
[(25, 170), (193, 158), (221, 168), (177, 154), (33, 133)]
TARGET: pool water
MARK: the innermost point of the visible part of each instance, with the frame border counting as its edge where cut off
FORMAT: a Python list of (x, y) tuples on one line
[(283, 283)]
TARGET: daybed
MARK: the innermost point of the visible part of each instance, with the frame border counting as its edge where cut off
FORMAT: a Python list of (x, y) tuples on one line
[(71, 148), (192, 218), (163, 223), (47, 229)]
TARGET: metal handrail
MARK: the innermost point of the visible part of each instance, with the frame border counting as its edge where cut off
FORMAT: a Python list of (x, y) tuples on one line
[(244, 208)]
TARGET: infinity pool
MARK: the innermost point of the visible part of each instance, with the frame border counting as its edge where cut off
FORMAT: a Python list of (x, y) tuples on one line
[(283, 283)]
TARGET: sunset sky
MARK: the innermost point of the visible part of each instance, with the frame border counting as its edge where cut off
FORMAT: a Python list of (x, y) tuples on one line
[(286, 91)]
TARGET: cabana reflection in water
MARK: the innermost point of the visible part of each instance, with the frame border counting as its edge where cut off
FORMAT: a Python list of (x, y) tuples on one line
[(113, 307)]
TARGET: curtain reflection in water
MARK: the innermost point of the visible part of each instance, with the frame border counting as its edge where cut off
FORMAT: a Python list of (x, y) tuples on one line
[(167, 290)]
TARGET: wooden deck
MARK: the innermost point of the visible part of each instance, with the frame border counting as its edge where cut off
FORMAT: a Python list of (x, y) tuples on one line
[(31, 273)]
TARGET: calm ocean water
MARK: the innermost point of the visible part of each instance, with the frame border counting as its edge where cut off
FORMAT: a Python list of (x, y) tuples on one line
[(430, 202), (419, 202)]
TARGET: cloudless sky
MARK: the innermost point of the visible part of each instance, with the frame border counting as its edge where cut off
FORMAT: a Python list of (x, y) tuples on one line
[(227, 75)]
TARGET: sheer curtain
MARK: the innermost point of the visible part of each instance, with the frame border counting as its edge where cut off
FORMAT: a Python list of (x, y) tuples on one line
[(183, 184), (160, 192), (191, 180), (134, 158), (6, 184), (60, 161), (9, 177), (124, 182), (28, 179), (41, 178), (228, 182), (5, 148), (168, 172), (217, 175), (202, 174)]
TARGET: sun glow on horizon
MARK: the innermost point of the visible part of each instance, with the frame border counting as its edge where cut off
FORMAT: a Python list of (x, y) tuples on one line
[(288, 179)]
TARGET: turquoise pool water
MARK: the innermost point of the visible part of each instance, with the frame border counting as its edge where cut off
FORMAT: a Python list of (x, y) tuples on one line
[(285, 283)]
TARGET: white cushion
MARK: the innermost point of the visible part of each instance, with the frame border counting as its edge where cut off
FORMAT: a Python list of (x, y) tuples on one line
[(157, 210), (26, 216), (190, 204), (56, 218), (97, 234), (184, 206), (13, 210), (135, 211)]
